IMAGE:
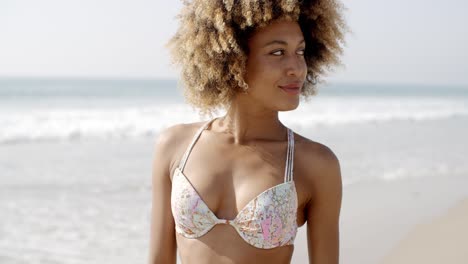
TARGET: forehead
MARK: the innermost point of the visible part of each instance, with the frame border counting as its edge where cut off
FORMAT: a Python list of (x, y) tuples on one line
[(285, 30)]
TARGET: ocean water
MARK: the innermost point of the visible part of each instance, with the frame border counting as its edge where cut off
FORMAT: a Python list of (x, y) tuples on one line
[(75, 155), (57, 110)]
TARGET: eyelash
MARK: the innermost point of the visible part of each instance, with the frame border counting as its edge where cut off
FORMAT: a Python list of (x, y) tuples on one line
[(273, 53)]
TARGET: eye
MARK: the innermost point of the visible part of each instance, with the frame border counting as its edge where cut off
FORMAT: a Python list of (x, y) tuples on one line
[(277, 52), (301, 52)]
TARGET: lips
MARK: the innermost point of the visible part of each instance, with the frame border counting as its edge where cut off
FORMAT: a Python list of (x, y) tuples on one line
[(291, 88)]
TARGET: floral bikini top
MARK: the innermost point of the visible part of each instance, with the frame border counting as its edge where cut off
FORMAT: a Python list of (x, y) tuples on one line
[(267, 221)]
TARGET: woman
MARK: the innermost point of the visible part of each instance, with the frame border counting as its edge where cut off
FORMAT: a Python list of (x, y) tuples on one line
[(234, 189)]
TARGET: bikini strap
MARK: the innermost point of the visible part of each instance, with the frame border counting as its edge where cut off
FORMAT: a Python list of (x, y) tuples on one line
[(288, 171), (184, 158)]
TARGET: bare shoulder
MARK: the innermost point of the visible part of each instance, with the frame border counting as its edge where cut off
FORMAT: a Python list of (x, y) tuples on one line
[(171, 143), (319, 167), (312, 151)]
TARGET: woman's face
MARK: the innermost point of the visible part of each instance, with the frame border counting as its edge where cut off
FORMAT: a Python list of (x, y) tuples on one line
[(276, 68)]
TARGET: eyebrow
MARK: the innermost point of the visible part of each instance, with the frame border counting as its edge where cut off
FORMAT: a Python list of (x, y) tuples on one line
[(281, 42)]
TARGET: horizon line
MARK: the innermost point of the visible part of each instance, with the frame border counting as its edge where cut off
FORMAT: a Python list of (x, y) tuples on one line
[(165, 79)]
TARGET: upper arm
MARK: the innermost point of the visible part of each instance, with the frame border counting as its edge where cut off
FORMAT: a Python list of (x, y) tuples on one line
[(162, 234), (323, 210)]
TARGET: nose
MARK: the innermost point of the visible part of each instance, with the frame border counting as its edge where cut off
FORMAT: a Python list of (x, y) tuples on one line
[(296, 66)]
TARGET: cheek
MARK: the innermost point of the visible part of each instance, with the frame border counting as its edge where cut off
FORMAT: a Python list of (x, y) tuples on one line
[(304, 63), (262, 72), (304, 69)]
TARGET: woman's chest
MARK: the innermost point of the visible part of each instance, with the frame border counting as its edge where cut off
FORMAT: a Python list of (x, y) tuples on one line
[(228, 179)]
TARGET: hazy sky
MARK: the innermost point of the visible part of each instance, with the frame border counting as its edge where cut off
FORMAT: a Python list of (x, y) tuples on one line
[(394, 41)]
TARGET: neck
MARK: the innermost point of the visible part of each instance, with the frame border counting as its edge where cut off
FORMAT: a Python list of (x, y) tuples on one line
[(245, 124)]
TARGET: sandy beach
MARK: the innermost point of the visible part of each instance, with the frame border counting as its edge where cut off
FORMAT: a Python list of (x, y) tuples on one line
[(443, 239)]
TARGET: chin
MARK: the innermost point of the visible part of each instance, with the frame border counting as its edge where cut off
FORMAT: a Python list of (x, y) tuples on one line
[(289, 106)]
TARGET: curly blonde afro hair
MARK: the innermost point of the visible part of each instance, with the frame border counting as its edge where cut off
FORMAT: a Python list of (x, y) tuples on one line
[(210, 44)]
